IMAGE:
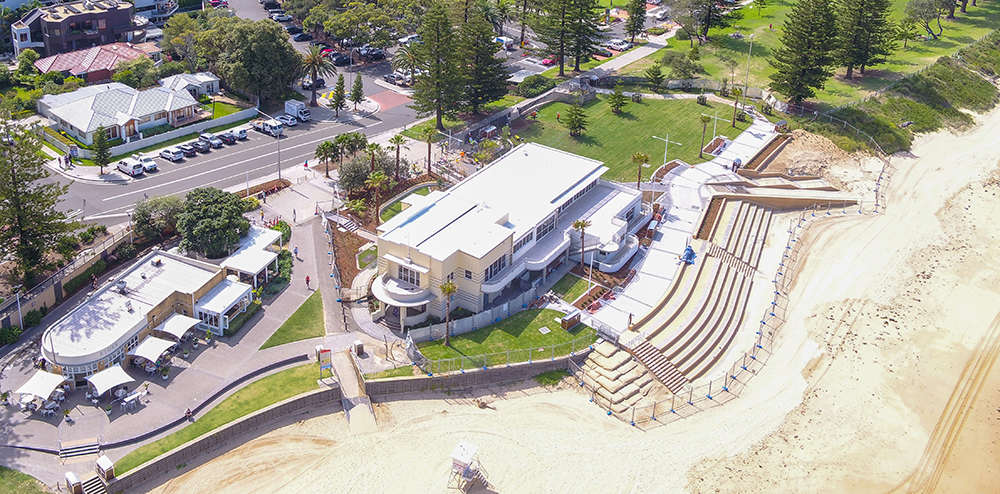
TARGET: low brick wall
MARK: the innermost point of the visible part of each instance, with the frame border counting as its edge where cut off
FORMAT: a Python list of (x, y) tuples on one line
[(471, 378), (169, 461)]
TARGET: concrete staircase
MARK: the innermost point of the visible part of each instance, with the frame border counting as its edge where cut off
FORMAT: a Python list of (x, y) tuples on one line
[(660, 367), (95, 485), (79, 448)]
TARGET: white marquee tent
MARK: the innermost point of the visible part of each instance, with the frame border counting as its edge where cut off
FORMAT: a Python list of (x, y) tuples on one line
[(42, 384), (151, 348), (109, 378)]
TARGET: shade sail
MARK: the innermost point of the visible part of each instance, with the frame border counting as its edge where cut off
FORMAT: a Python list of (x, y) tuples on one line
[(177, 325), (151, 348), (109, 378), (41, 384)]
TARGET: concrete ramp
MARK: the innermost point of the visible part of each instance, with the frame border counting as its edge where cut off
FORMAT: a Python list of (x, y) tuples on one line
[(357, 405)]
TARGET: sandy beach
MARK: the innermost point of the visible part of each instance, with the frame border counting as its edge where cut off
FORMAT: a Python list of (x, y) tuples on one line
[(881, 378)]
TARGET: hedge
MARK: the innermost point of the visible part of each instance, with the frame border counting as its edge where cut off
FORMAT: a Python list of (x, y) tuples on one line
[(237, 322), (84, 278)]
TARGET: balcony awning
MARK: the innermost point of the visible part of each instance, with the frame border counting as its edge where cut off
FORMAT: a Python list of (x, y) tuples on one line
[(380, 293), (408, 263)]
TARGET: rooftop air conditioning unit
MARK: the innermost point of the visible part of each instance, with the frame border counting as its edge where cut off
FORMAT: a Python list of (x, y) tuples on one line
[(121, 286)]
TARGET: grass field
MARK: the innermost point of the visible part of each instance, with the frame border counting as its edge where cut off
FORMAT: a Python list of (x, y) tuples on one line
[(513, 336), (252, 397), (570, 287), (614, 138), (449, 123), (766, 26), (306, 322), (14, 482), (404, 371), (221, 109), (371, 254), (397, 207)]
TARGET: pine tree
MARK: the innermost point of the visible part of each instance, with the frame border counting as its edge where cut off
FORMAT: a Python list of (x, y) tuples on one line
[(339, 100), (32, 221), (483, 74), (654, 75), (803, 62), (554, 28), (585, 36), (100, 152), (617, 99), (576, 120), (437, 91), (636, 18), (357, 91), (865, 35)]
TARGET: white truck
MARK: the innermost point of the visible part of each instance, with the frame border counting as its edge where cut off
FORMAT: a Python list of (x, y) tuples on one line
[(267, 126), (297, 109)]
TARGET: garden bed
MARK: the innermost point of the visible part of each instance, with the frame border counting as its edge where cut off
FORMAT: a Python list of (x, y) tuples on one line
[(708, 221), (762, 158), (270, 185), (714, 146), (662, 172)]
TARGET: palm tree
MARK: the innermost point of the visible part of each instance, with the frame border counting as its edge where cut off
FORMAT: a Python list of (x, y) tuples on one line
[(325, 152), (373, 151), (704, 127), (405, 61), (398, 141), (505, 9), (580, 226), (427, 134), (316, 65), (358, 141), (343, 142), (639, 159), (375, 182), (448, 289)]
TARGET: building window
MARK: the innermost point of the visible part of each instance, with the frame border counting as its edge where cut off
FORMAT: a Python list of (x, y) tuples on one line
[(629, 215), (410, 276), (451, 276), (160, 115), (524, 241), (102, 24), (546, 227), (113, 133), (56, 32), (496, 267), (468, 274), (23, 37), (145, 119)]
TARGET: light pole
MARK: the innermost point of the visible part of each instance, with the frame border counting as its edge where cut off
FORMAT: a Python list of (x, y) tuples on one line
[(129, 213), (17, 290), (278, 137), (746, 81), (666, 142)]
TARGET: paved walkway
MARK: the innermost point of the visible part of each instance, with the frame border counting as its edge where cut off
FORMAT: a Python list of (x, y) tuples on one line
[(357, 406)]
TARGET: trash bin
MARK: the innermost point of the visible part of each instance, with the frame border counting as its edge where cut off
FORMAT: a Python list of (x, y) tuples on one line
[(359, 348)]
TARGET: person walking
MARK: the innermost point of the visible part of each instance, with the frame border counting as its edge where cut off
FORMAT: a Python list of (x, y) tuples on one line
[(296, 251), (307, 281), (558, 115)]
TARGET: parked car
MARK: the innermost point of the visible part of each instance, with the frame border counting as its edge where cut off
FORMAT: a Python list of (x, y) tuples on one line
[(347, 42), (211, 139), (395, 78), (663, 15), (147, 162), (406, 40), (201, 146), (270, 5), (296, 30), (188, 150), (326, 52), (275, 11), (227, 137), (375, 54), (603, 52), (281, 17), (130, 167), (302, 36), (240, 134), (339, 59), (619, 45), (288, 120), (549, 61), (307, 84), (172, 154)]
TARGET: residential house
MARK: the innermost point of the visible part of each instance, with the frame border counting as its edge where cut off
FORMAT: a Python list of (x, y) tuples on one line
[(120, 109), (66, 27), (197, 84), (93, 65)]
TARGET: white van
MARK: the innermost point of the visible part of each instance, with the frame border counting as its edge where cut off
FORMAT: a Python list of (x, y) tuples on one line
[(507, 43), (130, 167)]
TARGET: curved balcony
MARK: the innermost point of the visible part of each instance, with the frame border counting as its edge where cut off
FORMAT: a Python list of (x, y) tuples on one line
[(546, 251), (399, 293)]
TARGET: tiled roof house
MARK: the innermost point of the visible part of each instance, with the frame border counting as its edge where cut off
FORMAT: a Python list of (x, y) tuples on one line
[(93, 65)]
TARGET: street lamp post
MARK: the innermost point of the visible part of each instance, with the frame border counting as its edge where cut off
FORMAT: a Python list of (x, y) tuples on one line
[(666, 142), (278, 137), (129, 213), (746, 81), (17, 290)]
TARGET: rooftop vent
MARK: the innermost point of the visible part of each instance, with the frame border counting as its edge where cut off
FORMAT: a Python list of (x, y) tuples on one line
[(87, 5), (128, 305), (157, 262), (143, 275), (122, 287), (72, 9)]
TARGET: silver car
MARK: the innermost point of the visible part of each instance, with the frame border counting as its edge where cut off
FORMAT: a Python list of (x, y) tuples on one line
[(172, 154)]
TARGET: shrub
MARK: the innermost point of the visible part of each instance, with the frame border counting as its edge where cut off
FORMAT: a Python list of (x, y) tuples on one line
[(86, 236), (285, 229), (656, 31), (126, 251), (534, 85), (44, 310), (237, 322), (66, 245), (460, 313), (9, 336), (702, 99), (552, 377), (250, 204), (766, 109), (32, 318), (681, 35), (84, 278)]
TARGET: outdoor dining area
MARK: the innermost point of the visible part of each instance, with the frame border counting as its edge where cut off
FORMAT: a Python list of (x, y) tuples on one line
[(44, 387)]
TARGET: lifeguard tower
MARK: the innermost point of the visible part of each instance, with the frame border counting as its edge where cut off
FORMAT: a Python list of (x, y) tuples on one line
[(465, 468)]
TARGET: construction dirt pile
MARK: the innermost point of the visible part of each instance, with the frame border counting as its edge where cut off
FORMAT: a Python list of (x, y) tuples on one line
[(880, 378), (813, 154)]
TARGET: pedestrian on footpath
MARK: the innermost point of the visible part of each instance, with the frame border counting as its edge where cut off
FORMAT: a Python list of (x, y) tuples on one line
[(307, 281), (558, 114), (296, 251)]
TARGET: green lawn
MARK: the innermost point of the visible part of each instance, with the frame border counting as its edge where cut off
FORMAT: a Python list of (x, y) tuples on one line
[(306, 322), (397, 207), (449, 123), (507, 102), (965, 29), (371, 254), (14, 482), (404, 371), (252, 397), (570, 287), (614, 138), (553, 73), (513, 336), (222, 109)]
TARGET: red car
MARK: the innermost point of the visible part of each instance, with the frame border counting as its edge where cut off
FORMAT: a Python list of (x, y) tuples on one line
[(327, 51), (549, 61)]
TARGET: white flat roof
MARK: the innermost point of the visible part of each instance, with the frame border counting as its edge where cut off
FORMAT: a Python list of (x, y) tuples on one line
[(220, 298), (104, 322), (507, 198), (253, 256)]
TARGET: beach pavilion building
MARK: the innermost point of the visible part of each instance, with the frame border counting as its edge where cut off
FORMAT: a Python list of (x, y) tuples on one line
[(502, 231), (144, 312)]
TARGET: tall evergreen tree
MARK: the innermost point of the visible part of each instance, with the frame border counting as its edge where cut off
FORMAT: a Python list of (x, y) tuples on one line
[(708, 14), (32, 223), (100, 152), (482, 73), (865, 36), (357, 91), (554, 28), (339, 100), (437, 91), (576, 120), (586, 36), (804, 60), (636, 18)]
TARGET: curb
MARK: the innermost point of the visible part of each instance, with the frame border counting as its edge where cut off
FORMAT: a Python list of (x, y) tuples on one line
[(94, 181)]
